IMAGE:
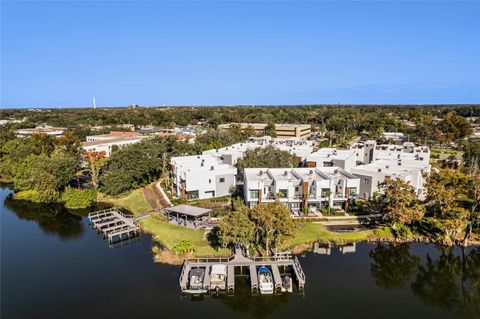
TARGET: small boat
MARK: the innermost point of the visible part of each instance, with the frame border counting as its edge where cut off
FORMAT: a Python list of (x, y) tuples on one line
[(195, 283), (218, 277), (287, 284), (265, 280)]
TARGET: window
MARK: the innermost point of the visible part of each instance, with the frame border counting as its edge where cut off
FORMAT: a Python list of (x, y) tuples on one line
[(283, 192), (366, 181), (222, 180), (325, 192), (192, 194), (297, 188), (352, 191), (254, 194), (209, 181)]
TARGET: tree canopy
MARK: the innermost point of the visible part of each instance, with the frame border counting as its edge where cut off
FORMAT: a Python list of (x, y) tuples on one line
[(269, 156)]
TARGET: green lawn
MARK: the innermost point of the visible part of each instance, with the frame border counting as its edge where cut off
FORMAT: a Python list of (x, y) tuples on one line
[(311, 233), (168, 235), (134, 201)]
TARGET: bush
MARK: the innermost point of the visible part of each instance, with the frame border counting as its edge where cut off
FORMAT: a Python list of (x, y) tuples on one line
[(76, 199), (183, 247), (402, 231), (29, 195)]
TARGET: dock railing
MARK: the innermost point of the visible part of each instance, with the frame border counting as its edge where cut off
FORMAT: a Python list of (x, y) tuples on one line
[(299, 270)]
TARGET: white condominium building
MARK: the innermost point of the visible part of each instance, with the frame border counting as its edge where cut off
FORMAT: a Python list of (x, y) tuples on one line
[(331, 157), (300, 189), (369, 151), (408, 169), (378, 162), (201, 177)]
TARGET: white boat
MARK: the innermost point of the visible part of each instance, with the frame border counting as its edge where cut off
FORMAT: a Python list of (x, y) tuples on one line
[(265, 281), (196, 280), (218, 277)]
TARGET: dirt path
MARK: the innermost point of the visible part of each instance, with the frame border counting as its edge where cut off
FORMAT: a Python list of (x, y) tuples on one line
[(161, 195), (150, 196)]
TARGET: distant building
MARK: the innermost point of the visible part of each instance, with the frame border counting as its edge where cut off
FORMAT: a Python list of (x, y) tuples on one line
[(106, 142), (301, 131), (48, 130), (133, 106), (201, 177), (393, 137)]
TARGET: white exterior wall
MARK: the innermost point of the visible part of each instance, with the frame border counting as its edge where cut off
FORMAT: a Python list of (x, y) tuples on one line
[(203, 173), (317, 180), (107, 146)]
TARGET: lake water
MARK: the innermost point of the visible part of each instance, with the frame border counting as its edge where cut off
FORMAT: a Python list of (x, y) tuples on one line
[(53, 265)]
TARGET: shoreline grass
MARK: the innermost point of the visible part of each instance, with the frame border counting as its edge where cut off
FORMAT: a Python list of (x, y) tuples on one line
[(168, 235), (309, 233), (134, 201)]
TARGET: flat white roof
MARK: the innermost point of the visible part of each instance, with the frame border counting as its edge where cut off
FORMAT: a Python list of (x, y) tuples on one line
[(188, 210)]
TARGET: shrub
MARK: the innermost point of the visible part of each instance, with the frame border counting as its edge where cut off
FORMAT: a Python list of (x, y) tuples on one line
[(76, 199), (183, 247), (29, 195)]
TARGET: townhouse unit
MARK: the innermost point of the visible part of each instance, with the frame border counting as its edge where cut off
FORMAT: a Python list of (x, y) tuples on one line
[(303, 189), (301, 131), (331, 157), (201, 177), (106, 142)]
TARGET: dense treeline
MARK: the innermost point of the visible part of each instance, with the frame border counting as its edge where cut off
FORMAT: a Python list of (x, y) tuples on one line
[(32, 163), (360, 117)]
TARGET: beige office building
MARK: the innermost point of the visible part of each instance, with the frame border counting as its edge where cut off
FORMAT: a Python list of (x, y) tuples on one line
[(299, 131)]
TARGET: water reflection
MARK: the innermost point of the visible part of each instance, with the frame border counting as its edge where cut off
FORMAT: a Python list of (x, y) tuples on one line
[(450, 281), (257, 306), (52, 219), (392, 266)]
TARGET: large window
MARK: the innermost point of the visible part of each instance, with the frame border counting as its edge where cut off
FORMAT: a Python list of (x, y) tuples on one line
[(222, 180), (254, 194), (325, 192), (352, 191), (283, 192), (192, 195)]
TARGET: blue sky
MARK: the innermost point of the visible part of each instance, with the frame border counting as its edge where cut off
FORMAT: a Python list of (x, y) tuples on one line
[(210, 53)]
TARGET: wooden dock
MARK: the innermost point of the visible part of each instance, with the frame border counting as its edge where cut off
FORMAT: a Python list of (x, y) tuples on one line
[(281, 260), (115, 225)]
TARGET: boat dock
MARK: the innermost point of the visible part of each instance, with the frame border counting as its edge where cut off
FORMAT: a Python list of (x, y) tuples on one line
[(280, 261), (115, 225)]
